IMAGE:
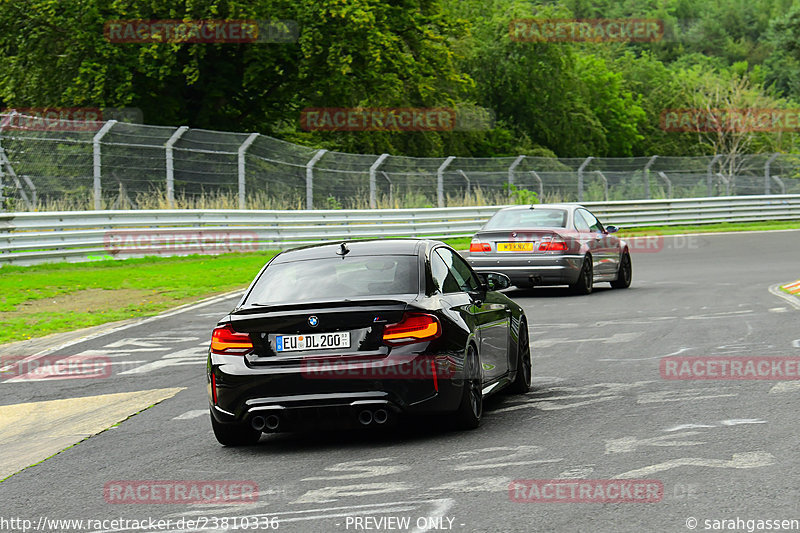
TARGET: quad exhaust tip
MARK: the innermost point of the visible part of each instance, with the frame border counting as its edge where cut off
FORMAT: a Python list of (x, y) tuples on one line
[(381, 416), (268, 423), (365, 417), (258, 423), (273, 422)]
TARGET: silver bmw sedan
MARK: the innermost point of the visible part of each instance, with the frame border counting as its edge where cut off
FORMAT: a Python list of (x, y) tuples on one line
[(551, 244)]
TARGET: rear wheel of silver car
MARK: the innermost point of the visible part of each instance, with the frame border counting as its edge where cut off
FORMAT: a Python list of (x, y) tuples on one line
[(522, 383), (585, 278), (625, 272), (234, 434), (470, 410)]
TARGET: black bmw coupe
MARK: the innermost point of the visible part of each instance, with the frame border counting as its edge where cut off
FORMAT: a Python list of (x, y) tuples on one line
[(360, 333)]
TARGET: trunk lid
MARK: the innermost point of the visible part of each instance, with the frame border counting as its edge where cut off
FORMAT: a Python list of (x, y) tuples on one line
[(509, 243), (338, 329)]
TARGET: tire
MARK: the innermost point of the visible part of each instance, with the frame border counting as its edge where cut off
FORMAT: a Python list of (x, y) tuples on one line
[(522, 382), (625, 272), (585, 278), (234, 434), (470, 410)]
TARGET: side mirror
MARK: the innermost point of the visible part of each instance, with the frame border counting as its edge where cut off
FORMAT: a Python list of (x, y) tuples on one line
[(495, 281), (611, 229)]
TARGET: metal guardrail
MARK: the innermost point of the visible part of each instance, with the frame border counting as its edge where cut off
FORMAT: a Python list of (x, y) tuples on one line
[(30, 238)]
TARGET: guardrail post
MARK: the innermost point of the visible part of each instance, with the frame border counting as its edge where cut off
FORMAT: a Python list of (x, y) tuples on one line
[(710, 174), (669, 183), (647, 176), (242, 168), (97, 167), (541, 185), (440, 180), (766, 173), (373, 195), (514, 165), (310, 177), (605, 184), (171, 165), (580, 177)]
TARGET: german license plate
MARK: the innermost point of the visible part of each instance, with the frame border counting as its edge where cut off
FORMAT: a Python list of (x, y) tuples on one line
[(312, 341), (514, 246)]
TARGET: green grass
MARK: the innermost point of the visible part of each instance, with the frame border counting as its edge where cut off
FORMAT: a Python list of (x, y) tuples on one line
[(43, 299)]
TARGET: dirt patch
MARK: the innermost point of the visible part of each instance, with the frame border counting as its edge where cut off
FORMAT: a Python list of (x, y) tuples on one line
[(91, 301)]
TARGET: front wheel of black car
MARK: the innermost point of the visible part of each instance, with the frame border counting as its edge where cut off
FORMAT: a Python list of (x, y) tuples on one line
[(234, 434), (470, 410), (585, 279), (624, 275), (522, 383)]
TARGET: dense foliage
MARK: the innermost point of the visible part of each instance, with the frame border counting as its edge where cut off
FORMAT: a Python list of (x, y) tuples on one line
[(568, 98)]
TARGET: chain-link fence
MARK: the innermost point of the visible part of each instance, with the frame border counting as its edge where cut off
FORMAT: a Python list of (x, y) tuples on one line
[(81, 165)]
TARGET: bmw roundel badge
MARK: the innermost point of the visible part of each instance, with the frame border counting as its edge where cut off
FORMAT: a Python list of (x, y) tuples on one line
[(313, 321)]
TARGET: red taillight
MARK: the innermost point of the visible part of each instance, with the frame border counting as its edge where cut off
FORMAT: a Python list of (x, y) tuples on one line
[(226, 341), (553, 244), (214, 387), (413, 328), (480, 247)]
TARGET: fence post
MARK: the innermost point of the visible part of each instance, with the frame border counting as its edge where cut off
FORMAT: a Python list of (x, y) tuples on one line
[(373, 196), (440, 180), (242, 168), (511, 169), (605, 184), (710, 174), (541, 185), (580, 177), (97, 167), (647, 176), (3, 121), (310, 177), (171, 166), (391, 187), (466, 178), (766, 173), (780, 183), (726, 181), (667, 180)]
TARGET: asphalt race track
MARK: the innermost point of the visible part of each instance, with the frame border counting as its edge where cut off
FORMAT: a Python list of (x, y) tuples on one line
[(599, 410)]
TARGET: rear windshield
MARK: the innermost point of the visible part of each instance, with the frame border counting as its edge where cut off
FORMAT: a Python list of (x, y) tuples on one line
[(336, 277), (528, 218)]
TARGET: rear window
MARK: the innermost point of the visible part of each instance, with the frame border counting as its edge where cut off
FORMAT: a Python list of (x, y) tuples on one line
[(336, 277), (528, 218)]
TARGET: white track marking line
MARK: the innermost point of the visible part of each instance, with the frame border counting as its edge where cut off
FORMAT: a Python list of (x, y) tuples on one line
[(177, 310)]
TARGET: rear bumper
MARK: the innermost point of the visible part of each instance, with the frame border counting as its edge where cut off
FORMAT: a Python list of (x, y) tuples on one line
[(300, 399), (529, 270)]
